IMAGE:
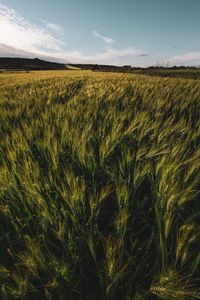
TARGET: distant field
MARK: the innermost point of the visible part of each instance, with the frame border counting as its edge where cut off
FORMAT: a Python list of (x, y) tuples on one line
[(99, 186), (179, 73)]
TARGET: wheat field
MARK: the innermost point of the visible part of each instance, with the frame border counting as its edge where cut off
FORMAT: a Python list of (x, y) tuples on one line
[(99, 186)]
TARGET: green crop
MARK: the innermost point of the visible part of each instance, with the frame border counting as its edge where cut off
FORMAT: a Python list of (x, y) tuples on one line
[(99, 186)]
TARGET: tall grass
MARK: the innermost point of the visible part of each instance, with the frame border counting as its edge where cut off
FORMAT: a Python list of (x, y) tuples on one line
[(99, 187)]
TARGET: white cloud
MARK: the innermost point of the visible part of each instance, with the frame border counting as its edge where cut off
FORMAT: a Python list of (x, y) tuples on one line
[(187, 58), (106, 39), (17, 32), (9, 51), (53, 27), (19, 37), (118, 56), (108, 56)]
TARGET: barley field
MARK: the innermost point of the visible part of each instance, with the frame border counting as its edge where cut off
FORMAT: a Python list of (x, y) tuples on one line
[(99, 186)]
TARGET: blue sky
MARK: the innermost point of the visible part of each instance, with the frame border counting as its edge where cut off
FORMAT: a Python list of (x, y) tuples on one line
[(134, 32)]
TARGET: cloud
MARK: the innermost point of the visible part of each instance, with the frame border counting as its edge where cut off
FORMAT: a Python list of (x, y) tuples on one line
[(21, 38), (187, 58), (108, 56), (53, 27), (106, 40), (9, 51), (118, 55), (19, 33)]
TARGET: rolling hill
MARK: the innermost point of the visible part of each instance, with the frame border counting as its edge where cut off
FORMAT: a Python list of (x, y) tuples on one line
[(9, 63)]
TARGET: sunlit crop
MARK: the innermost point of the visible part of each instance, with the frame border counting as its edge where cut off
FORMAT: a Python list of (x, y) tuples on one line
[(99, 186)]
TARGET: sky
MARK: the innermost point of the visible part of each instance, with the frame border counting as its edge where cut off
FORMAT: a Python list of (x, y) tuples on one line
[(128, 32)]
